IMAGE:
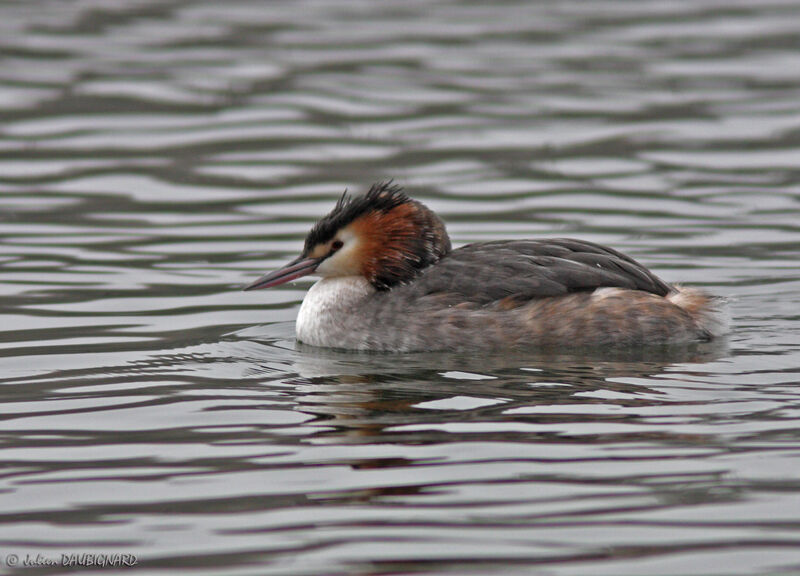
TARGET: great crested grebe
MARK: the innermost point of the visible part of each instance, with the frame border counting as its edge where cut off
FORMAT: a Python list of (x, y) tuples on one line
[(391, 282)]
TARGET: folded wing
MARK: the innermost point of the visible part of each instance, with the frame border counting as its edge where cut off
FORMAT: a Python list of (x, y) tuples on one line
[(527, 269)]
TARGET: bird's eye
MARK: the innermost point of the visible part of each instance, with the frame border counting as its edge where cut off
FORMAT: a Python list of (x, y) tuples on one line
[(336, 245)]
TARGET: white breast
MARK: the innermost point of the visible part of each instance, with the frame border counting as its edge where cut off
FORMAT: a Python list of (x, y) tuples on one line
[(326, 307)]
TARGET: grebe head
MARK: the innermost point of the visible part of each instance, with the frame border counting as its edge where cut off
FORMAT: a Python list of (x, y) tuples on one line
[(384, 236)]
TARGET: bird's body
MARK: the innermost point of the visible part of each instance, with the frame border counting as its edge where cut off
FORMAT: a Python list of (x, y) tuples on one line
[(392, 283)]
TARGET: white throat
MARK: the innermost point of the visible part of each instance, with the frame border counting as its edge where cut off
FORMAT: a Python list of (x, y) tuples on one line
[(327, 305)]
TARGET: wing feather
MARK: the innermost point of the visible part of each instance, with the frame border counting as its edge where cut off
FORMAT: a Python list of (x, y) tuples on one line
[(526, 269)]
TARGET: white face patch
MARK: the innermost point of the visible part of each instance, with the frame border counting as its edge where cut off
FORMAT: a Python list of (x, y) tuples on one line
[(346, 261)]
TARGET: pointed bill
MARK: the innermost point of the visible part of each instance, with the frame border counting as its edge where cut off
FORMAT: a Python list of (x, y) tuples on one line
[(293, 270)]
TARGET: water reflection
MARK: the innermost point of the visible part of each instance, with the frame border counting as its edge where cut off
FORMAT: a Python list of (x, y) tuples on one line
[(422, 391)]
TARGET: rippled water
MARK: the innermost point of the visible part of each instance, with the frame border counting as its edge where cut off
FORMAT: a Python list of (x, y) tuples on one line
[(156, 156)]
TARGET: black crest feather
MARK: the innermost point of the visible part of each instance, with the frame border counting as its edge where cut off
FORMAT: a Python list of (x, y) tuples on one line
[(382, 196), (418, 241)]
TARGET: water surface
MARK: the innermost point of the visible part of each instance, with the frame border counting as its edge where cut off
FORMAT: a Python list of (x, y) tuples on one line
[(156, 156)]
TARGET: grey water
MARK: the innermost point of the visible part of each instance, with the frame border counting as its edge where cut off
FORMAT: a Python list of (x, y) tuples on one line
[(155, 156)]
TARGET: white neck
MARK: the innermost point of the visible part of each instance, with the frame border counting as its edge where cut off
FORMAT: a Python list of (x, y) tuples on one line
[(329, 302)]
